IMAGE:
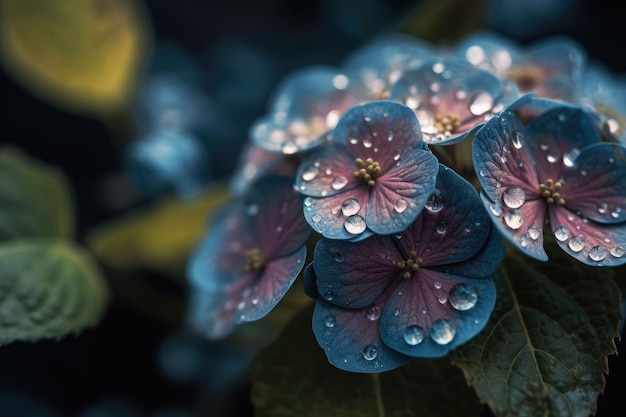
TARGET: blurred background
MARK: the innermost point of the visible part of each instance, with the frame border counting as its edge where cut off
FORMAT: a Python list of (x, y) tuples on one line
[(141, 360)]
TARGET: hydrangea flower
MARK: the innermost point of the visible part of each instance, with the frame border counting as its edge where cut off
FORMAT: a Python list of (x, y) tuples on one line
[(451, 98), (551, 68), (419, 293), (373, 177), (250, 257), (308, 104), (555, 163)]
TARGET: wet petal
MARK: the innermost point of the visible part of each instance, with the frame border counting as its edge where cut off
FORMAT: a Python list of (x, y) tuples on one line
[(595, 186), (522, 226), (432, 313), (556, 137), (354, 274), (489, 51), (310, 282), (400, 193), (503, 158), (268, 289), (351, 339), (590, 242)]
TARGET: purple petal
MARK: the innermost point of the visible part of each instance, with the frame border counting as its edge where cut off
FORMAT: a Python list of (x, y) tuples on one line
[(595, 186), (351, 338), (590, 242), (432, 313), (354, 274), (503, 159), (523, 226)]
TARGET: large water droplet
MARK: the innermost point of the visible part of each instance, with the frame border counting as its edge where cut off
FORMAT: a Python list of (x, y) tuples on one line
[(597, 253), (435, 202), (370, 352), (355, 224), (481, 104), (495, 209), (513, 219), (534, 232), (463, 296), (561, 233), (400, 205), (577, 243), (569, 158), (514, 197), (373, 313), (367, 143), (413, 335), (442, 332), (617, 251), (310, 173), (350, 207), (329, 321), (339, 182)]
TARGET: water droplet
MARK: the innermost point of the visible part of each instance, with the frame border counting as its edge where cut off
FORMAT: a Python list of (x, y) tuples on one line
[(483, 172), (390, 136), (413, 335), (616, 213), (534, 232), (495, 209), (397, 156), (340, 257), (577, 243), (329, 321), (514, 197), (367, 143), (370, 352), (339, 182), (279, 228), (481, 104), (552, 155), (602, 208), (328, 295), (441, 227), (317, 217), (597, 253), (355, 224), (513, 219), (561, 233), (442, 332), (373, 313), (442, 298), (617, 251), (289, 148), (517, 138), (353, 141), (396, 312), (350, 207), (400, 205), (308, 202), (328, 171), (435, 202), (252, 209), (241, 305), (309, 174), (570, 157), (611, 160), (463, 296)]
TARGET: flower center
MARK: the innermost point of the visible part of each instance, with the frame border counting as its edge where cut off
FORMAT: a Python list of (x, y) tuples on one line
[(526, 78), (368, 170), (447, 123), (550, 191), (254, 260), (410, 265)]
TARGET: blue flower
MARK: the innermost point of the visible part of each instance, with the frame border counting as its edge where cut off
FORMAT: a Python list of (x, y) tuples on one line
[(419, 293), (554, 161), (373, 177), (252, 254)]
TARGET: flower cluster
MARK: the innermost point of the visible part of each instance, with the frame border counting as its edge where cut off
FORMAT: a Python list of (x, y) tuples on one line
[(405, 247)]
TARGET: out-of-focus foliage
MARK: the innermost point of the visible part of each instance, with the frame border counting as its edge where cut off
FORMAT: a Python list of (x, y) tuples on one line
[(82, 55)]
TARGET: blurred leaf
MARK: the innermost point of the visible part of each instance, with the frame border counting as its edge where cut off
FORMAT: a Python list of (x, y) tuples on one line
[(293, 378), (544, 351), (159, 238), (84, 55), (48, 289), (34, 199)]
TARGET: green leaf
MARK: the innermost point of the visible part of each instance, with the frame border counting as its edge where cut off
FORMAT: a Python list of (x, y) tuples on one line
[(34, 199), (292, 378), (544, 350), (84, 55), (48, 289)]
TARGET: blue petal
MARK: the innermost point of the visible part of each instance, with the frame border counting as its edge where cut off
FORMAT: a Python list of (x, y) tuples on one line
[(489, 51), (310, 282)]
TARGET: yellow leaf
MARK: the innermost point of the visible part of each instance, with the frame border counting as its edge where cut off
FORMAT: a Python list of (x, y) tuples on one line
[(160, 238), (83, 55)]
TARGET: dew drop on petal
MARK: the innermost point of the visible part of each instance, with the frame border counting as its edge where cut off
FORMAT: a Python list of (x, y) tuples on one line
[(329, 321), (602, 208), (367, 143), (309, 174), (513, 219), (340, 257), (373, 313), (435, 202), (514, 197), (397, 156), (617, 251), (396, 312), (329, 295), (552, 156), (437, 284), (481, 104), (616, 213), (570, 157), (517, 139), (317, 217), (413, 335), (350, 207), (370, 352), (355, 224), (561, 233), (308, 202), (441, 227), (339, 182), (442, 332), (289, 148), (400, 205), (495, 209), (577, 243), (353, 141), (597, 253), (534, 232), (463, 296)]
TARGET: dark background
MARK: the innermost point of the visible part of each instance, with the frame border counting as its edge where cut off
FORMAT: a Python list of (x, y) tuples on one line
[(137, 364)]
